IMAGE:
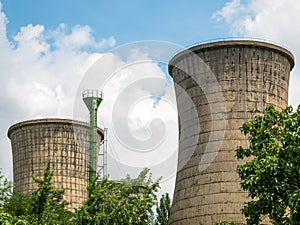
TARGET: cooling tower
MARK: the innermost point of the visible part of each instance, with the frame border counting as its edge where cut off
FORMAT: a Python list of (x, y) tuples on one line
[(65, 143), (227, 83)]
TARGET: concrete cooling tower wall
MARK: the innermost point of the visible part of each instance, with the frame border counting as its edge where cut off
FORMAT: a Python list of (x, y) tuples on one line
[(65, 143), (219, 86)]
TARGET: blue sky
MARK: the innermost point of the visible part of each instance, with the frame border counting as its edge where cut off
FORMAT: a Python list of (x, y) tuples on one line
[(181, 22), (49, 51)]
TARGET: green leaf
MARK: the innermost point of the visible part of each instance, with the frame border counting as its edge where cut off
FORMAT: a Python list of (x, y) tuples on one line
[(272, 177)]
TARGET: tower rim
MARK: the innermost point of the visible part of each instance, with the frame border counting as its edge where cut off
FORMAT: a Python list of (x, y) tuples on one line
[(52, 121), (232, 42)]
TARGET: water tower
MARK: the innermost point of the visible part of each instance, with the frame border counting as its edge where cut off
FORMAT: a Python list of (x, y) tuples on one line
[(92, 99)]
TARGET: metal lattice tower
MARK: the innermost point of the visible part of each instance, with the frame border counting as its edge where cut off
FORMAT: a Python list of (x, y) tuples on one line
[(102, 156), (92, 99)]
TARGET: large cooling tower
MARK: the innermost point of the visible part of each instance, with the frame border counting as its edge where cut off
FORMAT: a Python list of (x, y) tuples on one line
[(65, 143), (219, 86)]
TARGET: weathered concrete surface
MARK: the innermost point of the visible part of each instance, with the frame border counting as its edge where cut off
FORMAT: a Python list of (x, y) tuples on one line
[(248, 75), (65, 143)]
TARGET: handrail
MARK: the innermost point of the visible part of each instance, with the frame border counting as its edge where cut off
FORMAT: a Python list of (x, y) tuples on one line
[(92, 93)]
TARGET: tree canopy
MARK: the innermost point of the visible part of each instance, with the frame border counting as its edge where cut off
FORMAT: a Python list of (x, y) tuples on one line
[(5, 189), (163, 210), (45, 205), (272, 175), (128, 201)]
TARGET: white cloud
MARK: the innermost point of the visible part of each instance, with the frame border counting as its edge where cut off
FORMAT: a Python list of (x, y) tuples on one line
[(40, 72), (43, 72), (79, 38), (106, 42), (229, 11), (30, 40), (4, 44), (270, 20), (139, 109)]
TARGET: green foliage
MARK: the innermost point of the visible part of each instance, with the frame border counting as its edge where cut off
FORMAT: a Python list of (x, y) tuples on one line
[(143, 179), (5, 218), (163, 210), (272, 177), (5, 189), (8, 219), (5, 194), (47, 204), (18, 205), (126, 202), (43, 206), (129, 201)]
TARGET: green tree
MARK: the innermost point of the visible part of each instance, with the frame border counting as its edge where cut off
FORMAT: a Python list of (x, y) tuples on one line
[(5, 218), (143, 179), (46, 204), (5, 189), (272, 176), (5, 195), (127, 202), (8, 219), (163, 210), (18, 205)]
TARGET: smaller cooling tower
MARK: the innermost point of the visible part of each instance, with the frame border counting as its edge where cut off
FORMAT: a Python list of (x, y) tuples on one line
[(65, 143)]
